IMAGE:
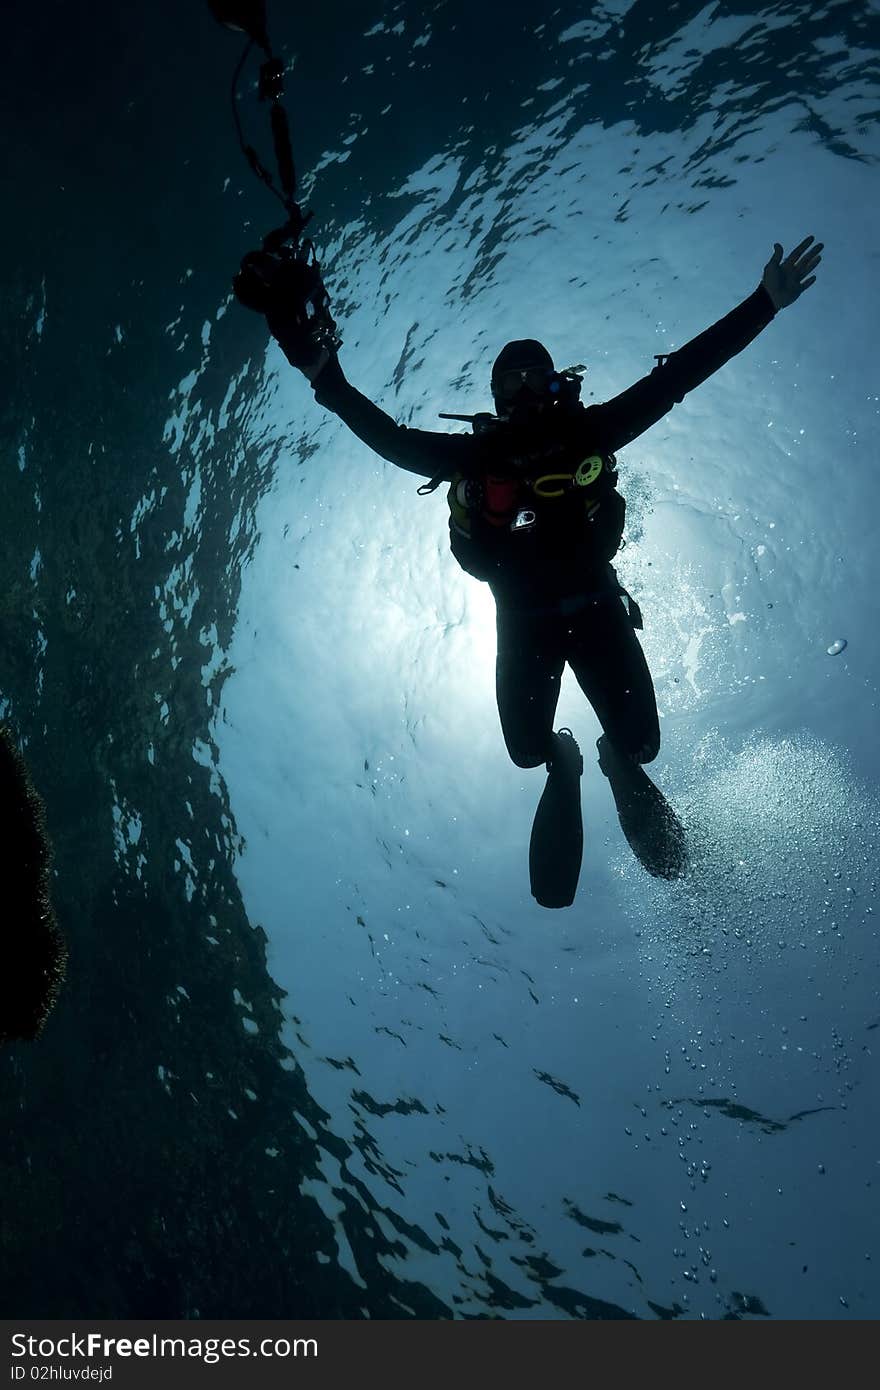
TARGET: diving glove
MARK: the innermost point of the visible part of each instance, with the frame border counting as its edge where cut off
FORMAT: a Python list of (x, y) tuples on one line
[(299, 345)]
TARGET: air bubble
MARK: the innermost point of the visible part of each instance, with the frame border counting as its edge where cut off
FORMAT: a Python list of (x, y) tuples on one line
[(837, 647)]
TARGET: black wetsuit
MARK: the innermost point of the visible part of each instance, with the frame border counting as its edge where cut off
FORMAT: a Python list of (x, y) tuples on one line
[(557, 600)]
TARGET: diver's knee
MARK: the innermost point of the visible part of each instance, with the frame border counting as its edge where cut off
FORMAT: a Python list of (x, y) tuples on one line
[(523, 758), (648, 751), (633, 748), (530, 749)]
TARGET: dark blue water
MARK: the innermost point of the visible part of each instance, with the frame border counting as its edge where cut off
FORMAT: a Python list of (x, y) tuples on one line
[(319, 1050)]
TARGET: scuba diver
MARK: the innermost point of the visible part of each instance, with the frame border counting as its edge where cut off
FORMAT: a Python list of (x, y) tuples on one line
[(535, 512), (534, 508)]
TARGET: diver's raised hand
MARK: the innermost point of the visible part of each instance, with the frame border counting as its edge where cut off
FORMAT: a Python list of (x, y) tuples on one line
[(785, 280), (285, 284), (299, 347)]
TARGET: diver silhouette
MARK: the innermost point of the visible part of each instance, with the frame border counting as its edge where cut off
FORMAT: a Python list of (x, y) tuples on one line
[(534, 511)]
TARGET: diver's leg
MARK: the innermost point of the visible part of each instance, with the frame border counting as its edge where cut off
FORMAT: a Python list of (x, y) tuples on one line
[(531, 657), (611, 669), (528, 671)]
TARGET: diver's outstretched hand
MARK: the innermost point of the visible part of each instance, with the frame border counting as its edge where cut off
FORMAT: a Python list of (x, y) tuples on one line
[(785, 280), (297, 343)]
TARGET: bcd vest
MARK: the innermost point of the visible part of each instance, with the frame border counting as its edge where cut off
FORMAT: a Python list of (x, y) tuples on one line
[(517, 512)]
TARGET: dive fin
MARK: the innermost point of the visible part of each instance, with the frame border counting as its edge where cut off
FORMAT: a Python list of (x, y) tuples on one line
[(652, 829), (557, 843)]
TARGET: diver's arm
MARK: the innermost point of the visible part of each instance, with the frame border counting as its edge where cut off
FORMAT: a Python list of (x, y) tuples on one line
[(425, 452), (429, 454), (635, 410), (631, 413)]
